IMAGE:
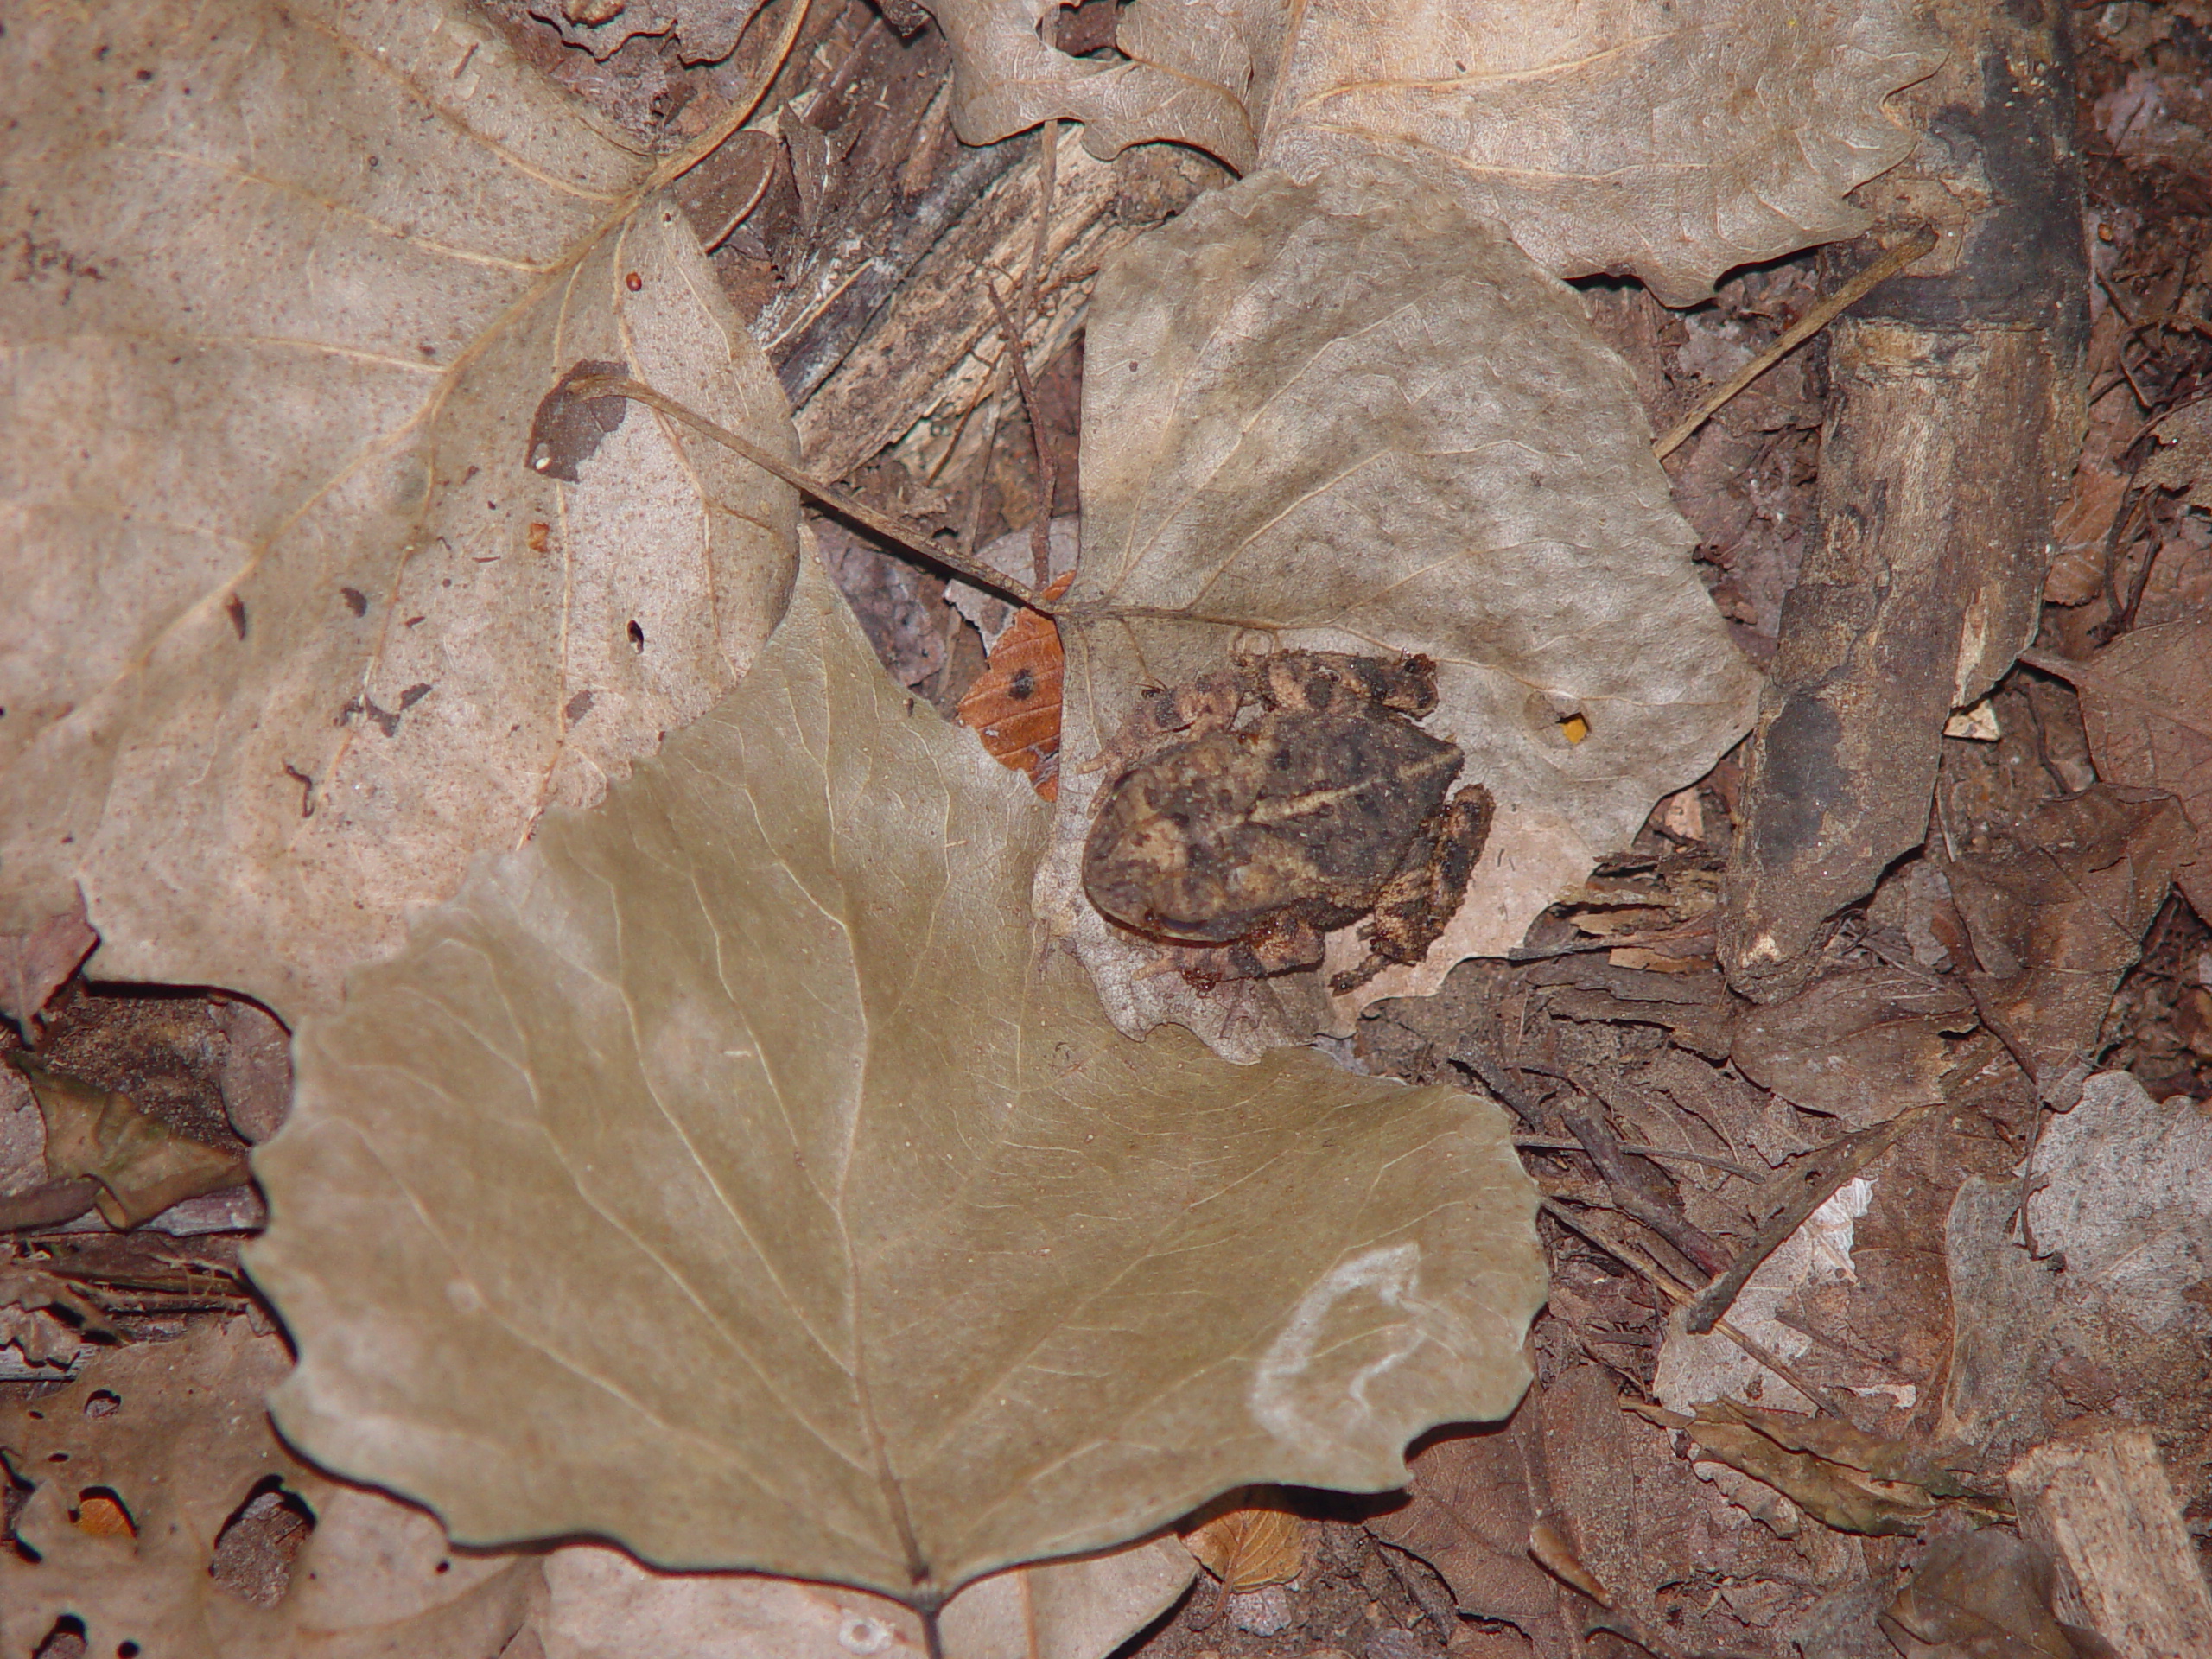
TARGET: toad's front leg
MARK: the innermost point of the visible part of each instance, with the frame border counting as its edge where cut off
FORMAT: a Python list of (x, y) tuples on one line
[(1416, 904)]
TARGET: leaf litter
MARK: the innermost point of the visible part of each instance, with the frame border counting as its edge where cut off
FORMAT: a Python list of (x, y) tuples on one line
[(1940, 1337)]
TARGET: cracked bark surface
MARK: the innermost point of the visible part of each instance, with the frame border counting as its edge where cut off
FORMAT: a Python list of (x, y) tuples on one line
[(1954, 414)]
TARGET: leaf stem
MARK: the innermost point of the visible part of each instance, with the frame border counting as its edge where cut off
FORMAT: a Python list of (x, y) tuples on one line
[(1799, 332), (851, 505)]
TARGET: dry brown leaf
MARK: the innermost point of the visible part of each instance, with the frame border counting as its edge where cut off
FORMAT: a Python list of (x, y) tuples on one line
[(33, 965), (1804, 1459), (1672, 141), (1014, 704), (1195, 72), (2147, 701), (1472, 1502), (1598, 1493), (2057, 907), (601, 1604), (1248, 1542), (1985, 1595), (1353, 415), (1860, 1046), (143, 1165), (936, 1272), (1667, 139), (172, 1435), (297, 629)]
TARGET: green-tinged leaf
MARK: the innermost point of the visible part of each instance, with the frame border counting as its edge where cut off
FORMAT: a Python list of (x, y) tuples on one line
[(142, 1165), (1852, 1480), (725, 1174)]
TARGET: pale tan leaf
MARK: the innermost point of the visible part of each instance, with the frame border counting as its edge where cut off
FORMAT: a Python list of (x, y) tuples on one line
[(835, 1233), (170, 1440), (1351, 415), (1667, 139), (601, 1604), (296, 628), (1195, 72)]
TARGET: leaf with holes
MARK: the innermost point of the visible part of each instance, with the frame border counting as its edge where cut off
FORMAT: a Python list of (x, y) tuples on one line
[(834, 1232), (149, 1472)]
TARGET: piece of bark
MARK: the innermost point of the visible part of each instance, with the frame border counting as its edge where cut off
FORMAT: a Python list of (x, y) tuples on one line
[(931, 350), (2103, 1507), (1955, 417)]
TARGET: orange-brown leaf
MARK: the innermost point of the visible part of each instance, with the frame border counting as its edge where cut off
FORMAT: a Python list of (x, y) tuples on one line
[(1251, 1546), (1014, 704)]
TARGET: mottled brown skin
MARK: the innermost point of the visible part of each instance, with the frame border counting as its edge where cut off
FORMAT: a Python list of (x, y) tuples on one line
[(1328, 806)]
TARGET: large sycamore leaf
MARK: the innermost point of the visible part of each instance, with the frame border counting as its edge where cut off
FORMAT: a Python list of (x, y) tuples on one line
[(1669, 139), (295, 626), (601, 1604), (723, 1174), (1351, 416)]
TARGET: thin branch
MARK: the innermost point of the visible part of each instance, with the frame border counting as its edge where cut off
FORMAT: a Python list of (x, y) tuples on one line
[(891, 529), (1048, 480), (1805, 326)]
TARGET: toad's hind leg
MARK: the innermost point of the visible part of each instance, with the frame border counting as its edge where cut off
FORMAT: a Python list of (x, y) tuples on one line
[(1416, 904)]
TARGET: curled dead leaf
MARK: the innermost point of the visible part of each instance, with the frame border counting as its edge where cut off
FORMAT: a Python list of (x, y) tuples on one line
[(1014, 704), (1853, 1481), (1246, 1542), (141, 1163)]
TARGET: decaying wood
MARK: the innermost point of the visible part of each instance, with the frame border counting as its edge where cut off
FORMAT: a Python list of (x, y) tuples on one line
[(2105, 1510), (1954, 418), (925, 362)]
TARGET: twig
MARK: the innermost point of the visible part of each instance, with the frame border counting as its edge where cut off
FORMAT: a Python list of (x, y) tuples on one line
[(1048, 170), (1040, 533), (1850, 1154), (1803, 330), (1551, 1143), (891, 529)]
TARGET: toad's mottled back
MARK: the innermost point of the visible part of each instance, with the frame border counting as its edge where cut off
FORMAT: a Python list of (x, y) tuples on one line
[(1329, 805)]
